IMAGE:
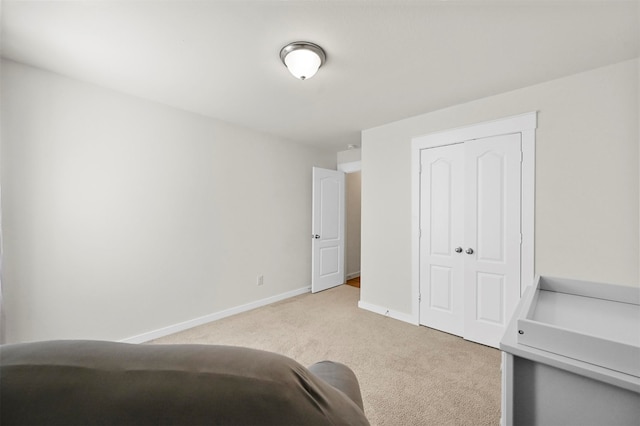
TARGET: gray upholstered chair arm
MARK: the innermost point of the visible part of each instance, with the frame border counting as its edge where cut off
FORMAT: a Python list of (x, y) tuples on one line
[(340, 377)]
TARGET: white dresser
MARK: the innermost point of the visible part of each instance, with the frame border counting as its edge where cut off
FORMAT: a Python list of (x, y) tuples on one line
[(571, 355)]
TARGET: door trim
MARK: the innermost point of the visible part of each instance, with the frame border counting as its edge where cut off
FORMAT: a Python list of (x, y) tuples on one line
[(525, 124)]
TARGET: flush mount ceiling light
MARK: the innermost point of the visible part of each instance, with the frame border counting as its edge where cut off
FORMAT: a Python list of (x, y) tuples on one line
[(303, 58)]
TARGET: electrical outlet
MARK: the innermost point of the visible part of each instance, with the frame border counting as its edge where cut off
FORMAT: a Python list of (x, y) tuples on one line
[(260, 280)]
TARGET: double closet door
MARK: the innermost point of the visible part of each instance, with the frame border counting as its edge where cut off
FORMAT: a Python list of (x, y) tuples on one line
[(470, 236)]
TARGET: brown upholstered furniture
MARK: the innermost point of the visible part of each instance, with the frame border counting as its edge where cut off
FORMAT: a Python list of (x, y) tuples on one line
[(107, 383)]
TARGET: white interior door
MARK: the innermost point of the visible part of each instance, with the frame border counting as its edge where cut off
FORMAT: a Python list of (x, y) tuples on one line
[(492, 236), (470, 236), (442, 221), (328, 212)]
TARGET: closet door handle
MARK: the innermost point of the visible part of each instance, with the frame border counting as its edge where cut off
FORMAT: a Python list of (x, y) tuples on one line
[(469, 250), (458, 249)]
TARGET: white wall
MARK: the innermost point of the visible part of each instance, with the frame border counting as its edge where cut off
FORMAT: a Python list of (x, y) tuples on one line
[(123, 216), (349, 161), (587, 183), (349, 156)]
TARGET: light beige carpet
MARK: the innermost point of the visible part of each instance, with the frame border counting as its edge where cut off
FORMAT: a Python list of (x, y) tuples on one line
[(409, 375)]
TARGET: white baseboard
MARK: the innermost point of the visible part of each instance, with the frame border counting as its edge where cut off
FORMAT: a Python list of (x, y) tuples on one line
[(165, 331), (353, 275), (387, 312)]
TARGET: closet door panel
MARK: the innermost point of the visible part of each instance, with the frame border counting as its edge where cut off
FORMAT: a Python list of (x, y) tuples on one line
[(441, 223), (492, 236)]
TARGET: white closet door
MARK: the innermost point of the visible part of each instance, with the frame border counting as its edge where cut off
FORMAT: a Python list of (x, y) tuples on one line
[(442, 221), (492, 236), (470, 237)]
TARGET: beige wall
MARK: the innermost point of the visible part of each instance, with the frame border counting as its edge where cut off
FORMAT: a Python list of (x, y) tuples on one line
[(123, 216), (352, 190), (587, 183), (349, 156)]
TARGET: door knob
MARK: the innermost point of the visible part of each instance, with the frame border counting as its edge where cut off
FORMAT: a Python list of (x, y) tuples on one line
[(469, 250), (458, 249), (316, 236)]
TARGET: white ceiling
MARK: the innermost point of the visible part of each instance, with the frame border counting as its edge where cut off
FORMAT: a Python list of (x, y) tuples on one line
[(387, 60)]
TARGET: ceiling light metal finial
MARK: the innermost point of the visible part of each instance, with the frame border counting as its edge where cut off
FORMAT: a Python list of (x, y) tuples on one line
[(303, 59)]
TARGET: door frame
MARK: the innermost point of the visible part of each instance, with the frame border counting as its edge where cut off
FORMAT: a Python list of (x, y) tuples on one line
[(525, 125)]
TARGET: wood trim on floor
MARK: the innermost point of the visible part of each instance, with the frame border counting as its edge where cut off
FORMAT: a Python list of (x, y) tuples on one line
[(355, 282)]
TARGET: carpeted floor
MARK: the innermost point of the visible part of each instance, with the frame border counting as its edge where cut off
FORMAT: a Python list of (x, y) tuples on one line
[(409, 375)]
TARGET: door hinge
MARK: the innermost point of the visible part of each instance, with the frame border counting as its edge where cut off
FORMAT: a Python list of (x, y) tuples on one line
[(419, 297), (521, 238), (521, 157), (419, 232)]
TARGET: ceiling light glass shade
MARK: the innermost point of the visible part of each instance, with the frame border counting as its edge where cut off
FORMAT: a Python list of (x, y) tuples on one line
[(302, 63), (302, 59)]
